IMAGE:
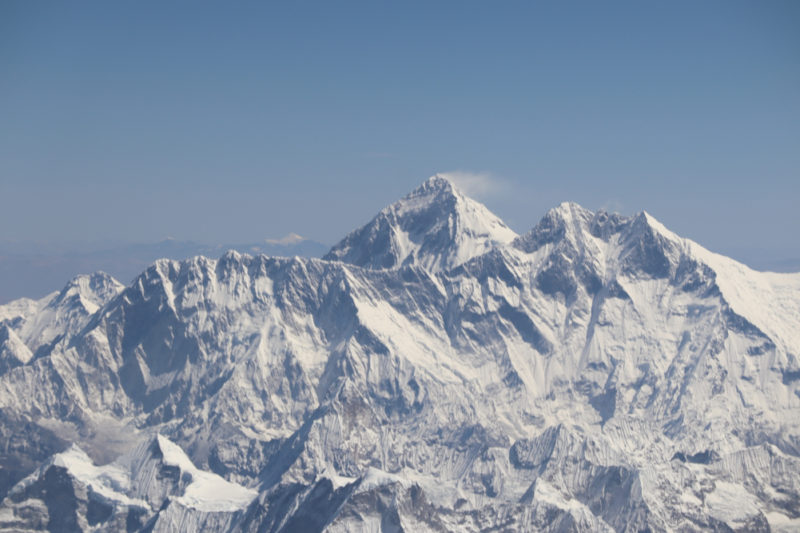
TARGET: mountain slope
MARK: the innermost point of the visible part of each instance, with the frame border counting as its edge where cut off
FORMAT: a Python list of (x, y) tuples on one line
[(597, 373)]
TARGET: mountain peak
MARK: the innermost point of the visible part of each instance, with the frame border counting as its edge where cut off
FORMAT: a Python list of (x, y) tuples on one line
[(94, 289), (566, 219), (569, 209), (437, 182), (435, 226), (290, 238), (645, 219)]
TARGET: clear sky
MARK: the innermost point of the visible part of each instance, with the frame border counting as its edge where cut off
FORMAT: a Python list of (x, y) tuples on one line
[(234, 122)]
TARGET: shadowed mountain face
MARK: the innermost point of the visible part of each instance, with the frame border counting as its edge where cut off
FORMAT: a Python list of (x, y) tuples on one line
[(434, 372)]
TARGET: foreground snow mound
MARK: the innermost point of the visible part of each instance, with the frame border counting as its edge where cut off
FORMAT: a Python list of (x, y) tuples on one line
[(155, 487), (435, 373)]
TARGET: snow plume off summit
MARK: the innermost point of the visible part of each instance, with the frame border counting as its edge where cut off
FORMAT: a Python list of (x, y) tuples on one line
[(435, 371)]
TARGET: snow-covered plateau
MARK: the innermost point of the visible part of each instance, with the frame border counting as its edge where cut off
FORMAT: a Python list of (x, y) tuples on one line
[(435, 371)]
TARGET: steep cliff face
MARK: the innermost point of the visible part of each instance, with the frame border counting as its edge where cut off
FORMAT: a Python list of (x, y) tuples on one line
[(434, 371)]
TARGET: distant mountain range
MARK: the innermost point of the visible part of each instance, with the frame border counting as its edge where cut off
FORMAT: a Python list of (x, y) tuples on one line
[(29, 270), (434, 371)]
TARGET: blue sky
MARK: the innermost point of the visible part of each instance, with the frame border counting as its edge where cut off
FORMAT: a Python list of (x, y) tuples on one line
[(233, 123)]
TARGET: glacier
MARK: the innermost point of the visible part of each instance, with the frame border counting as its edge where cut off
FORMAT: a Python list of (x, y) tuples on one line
[(435, 371)]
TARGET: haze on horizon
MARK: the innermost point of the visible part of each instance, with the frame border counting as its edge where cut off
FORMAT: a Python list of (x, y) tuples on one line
[(229, 124)]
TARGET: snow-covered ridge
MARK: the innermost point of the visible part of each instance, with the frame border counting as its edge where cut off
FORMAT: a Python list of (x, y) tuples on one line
[(435, 372)]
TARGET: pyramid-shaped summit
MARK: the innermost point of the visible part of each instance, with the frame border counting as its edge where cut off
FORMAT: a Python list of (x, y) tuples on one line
[(436, 226)]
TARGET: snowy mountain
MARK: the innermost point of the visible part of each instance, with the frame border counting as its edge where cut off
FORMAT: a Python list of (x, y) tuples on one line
[(435, 227), (434, 372)]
